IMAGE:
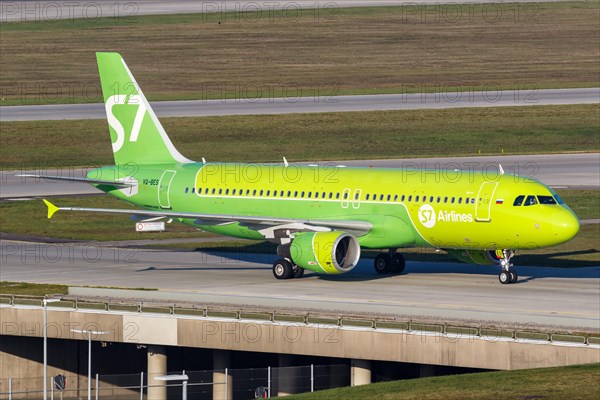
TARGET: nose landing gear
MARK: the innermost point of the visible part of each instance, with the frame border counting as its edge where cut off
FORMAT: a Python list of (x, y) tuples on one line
[(507, 275)]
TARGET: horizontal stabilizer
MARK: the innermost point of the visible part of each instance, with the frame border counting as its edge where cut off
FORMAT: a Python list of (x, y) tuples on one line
[(83, 180)]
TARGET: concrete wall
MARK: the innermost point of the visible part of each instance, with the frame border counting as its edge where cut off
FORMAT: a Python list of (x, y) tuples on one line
[(299, 339)]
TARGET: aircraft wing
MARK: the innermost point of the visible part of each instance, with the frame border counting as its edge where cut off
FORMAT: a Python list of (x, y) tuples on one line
[(122, 183), (268, 226)]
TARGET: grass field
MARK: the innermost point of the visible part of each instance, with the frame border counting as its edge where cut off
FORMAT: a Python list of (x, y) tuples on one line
[(334, 52), (576, 382), (330, 136)]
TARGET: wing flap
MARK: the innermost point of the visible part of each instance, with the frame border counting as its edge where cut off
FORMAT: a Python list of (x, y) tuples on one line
[(123, 183)]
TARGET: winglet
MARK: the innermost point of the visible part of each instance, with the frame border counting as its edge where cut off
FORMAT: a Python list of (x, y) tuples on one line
[(51, 208)]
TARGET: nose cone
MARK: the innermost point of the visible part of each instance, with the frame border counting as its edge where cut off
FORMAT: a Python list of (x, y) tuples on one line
[(565, 226)]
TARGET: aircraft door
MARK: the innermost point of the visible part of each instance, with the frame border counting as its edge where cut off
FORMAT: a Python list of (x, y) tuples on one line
[(164, 186), (484, 201)]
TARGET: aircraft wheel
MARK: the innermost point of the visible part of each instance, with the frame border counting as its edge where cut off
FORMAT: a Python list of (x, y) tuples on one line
[(504, 277), (298, 272), (514, 277), (382, 263), (397, 263), (283, 269)]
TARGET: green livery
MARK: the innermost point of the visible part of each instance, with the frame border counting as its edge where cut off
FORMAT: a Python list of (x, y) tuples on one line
[(321, 215)]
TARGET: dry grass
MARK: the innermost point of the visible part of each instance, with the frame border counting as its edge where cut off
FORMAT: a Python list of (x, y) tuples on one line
[(365, 50), (335, 136)]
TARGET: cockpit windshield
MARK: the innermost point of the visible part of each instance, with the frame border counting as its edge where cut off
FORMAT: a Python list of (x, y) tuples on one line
[(546, 200), (532, 200), (558, 199)]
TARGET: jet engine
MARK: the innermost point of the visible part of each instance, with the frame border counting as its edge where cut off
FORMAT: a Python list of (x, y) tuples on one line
[(323, 252)]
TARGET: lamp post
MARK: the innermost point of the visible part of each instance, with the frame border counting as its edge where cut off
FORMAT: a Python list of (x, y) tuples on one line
[(183, 378), (89, 335), (46, 301)]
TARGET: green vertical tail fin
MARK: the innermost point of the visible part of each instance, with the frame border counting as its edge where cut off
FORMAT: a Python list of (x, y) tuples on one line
[(136, 133)]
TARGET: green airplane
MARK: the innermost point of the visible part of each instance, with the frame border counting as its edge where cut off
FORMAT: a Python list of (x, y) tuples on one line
[(320, 215)]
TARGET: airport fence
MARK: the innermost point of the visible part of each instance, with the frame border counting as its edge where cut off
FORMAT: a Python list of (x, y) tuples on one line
[(228, 384)]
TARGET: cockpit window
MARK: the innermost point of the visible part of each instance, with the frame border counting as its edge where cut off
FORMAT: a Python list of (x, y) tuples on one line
[(546, 200), (530, 201), (558, 199), (519, 200)]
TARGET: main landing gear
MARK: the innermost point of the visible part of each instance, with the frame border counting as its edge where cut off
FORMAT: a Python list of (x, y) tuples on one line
[(389, 263), (507, 275), (284, 269)]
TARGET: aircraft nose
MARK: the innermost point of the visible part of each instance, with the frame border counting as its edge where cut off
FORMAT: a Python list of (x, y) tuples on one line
[(565, 226)]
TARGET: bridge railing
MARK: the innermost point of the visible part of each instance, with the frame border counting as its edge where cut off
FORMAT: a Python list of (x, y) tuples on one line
[(491, 331)]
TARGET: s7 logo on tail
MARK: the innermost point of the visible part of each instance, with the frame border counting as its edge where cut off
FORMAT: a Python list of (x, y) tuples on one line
[(113, 121)]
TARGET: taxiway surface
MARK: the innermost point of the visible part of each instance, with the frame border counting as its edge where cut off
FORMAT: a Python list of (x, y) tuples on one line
[(266, 105), (41, 10), (567, 297)]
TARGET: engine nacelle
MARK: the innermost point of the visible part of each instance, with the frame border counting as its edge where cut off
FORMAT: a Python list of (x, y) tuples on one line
[(479, 257), (324, 252)]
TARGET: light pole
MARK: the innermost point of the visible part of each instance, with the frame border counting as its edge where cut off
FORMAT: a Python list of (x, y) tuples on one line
[(89, 334), (183, 378), (46, 301)]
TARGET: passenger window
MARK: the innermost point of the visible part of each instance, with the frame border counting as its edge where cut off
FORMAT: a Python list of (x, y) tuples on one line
[(368, 196), (356, 196), (213, 191), (316, 195), (452, 200), (389, 196), (519, 200), (530, 201), (446, 199), (410, 198), (296, 194), (226, 191), (459, 200), (438, 199), (289, 194), (302, 195), (309, 195), (380, 197), (323, 195), (345, 195), (337, 196), (473, 201), (395, 197), (546, 200)]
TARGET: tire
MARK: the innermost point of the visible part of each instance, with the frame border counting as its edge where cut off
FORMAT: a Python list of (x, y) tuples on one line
[(514, 277), (382, 263), (504, 277), (297, 272), (283, 269), (397, 263)]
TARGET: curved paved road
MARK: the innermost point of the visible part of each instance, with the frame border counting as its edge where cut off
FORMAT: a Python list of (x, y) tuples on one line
[(544, 296), (201, 108)]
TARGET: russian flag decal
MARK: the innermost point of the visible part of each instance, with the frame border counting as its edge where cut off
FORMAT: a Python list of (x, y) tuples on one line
[(499, 201)]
